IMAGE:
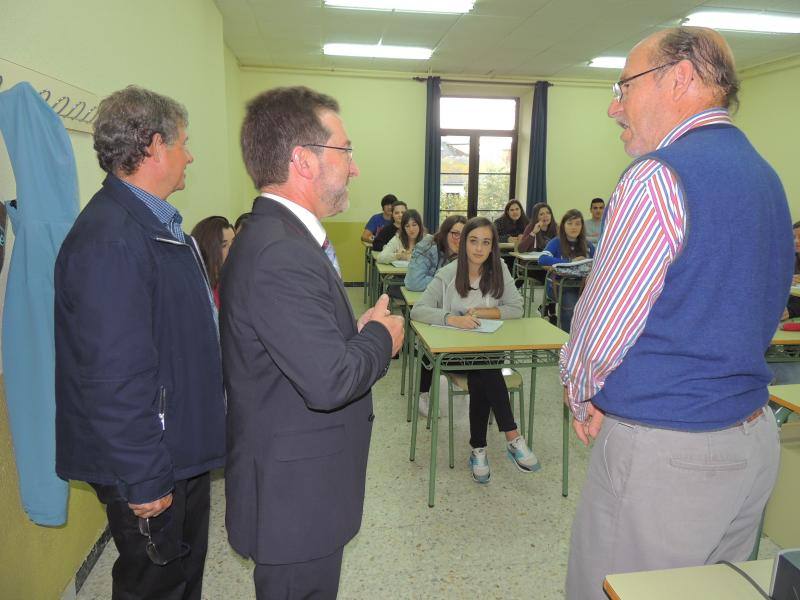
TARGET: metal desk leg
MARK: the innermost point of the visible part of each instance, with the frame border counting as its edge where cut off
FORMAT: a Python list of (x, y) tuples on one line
[(565, 452), (366, 272), (450, 449), (413, 380), (531, 406), (414, 398), (434, 408), (404, 350)]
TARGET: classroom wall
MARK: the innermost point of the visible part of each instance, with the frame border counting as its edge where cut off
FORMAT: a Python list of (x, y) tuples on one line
[(585, 156), (770, 97), (174, 48), (241, 197)]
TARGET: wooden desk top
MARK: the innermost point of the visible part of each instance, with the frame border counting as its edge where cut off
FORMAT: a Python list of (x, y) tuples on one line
[(786, 395), (795, 291), (786, 338), (506, 245), (390, 269), (409, 296), (532, 333), (710, 582)]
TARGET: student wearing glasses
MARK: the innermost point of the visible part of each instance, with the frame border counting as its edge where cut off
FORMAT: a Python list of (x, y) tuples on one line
[(433, 252), (476, 286), (430, 255)]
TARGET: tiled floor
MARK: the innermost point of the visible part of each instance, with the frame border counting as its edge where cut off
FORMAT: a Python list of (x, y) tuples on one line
[(508, 539)]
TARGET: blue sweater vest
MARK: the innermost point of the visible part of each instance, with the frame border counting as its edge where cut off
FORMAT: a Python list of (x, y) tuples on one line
[(699, 362)]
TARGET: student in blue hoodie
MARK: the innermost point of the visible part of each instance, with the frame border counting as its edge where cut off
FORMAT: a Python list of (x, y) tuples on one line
[(570, 246)]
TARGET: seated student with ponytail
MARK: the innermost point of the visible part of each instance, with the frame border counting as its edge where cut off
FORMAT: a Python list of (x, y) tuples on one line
[(478, 285), (569, 246)]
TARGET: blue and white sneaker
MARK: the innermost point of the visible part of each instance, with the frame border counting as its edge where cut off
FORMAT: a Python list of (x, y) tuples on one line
[(522, 456), (479, 463)]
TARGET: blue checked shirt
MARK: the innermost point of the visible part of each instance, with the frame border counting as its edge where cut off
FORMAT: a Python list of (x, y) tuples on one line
[(169, 216), (163, 210)]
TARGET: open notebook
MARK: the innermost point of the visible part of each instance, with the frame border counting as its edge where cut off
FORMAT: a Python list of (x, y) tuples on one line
[(486, 326)]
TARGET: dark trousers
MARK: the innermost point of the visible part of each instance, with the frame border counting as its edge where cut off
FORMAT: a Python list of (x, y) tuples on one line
[(313, 580), (135, 576), (487, 392)]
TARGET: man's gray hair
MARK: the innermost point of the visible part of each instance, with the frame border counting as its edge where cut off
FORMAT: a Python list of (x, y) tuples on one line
[(275, 122), (125, 125), (709, 54)]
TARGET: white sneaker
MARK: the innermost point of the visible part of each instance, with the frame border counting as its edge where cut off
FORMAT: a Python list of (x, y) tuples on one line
[(522, 456), (424, 402), (479, 463)]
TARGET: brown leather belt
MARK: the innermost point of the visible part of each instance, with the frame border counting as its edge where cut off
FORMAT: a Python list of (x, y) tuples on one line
[(753, 417)]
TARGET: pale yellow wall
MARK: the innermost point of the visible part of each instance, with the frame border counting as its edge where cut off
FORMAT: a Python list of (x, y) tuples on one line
[(769, 116), (241, 197), (175, 48), (584, 154)]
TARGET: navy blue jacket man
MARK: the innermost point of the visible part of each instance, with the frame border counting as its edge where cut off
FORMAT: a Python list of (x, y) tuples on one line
[(140, 406)]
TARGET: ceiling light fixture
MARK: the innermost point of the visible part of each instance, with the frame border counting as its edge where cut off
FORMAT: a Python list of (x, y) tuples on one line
[(608, 62), (426, 6), (377, 51), (760, 22)]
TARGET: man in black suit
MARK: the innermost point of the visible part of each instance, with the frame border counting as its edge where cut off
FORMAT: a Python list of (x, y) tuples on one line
[(298, 367)]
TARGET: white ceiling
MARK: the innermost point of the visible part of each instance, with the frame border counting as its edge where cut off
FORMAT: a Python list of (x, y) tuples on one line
[(512, 38)]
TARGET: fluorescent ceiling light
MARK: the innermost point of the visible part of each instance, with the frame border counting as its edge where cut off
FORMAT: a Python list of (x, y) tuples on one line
[(744, 21), (608, 62), (377, 51), (429, 6)]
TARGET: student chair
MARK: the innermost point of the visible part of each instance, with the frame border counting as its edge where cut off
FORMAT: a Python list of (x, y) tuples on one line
[(457, 386)]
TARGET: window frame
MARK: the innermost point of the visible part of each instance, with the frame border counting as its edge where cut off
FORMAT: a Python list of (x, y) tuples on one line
[(474, 136)]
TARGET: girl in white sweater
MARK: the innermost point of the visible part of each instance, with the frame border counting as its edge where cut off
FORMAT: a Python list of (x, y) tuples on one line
[(402, 244)]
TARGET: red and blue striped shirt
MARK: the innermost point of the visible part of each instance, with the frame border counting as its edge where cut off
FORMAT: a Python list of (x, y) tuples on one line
[(645, 225)]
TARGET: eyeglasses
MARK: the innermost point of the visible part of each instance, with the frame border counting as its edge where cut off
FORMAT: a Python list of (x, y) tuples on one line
[(347, 149), (165, 551), (616, 89)]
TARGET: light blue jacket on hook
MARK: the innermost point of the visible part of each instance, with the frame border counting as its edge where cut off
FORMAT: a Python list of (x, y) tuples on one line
[(47, 204)]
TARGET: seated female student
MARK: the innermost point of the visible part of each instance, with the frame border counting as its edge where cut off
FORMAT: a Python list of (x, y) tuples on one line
[(430, 255), (402, 244), (214, 236), (386, 233), (513, 222), (569, 246), (433, 252), (479, 286), (540, 230)]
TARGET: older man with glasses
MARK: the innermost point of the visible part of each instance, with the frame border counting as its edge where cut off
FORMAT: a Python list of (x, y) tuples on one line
[(665, 366)]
